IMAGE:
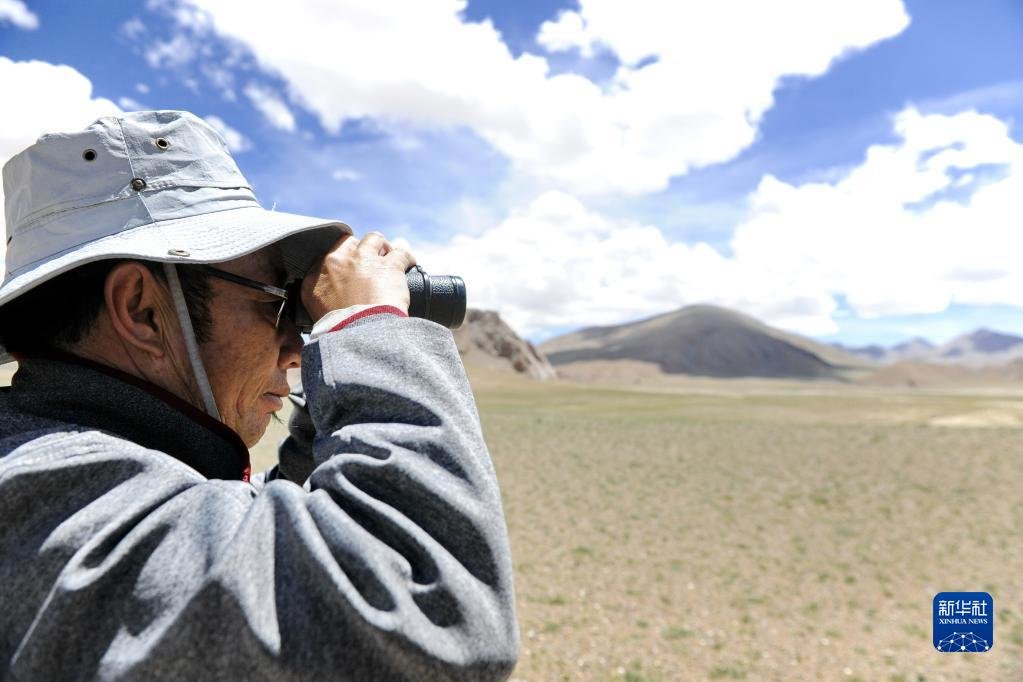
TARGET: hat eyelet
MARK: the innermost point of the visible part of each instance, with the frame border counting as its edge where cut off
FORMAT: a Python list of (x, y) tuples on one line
[(89, 155), (181, 253), (138, 184), (162, 143)]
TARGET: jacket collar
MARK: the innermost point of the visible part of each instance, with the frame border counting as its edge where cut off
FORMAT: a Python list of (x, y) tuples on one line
[(73, 390)]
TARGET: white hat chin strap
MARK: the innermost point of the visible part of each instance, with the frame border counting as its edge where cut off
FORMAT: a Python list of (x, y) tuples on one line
[(192, 347)]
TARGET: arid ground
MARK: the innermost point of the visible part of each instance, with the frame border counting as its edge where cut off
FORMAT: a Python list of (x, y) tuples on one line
[(754, 530)]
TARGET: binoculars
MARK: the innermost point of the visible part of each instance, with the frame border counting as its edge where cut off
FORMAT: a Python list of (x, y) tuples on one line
[(438, 298)]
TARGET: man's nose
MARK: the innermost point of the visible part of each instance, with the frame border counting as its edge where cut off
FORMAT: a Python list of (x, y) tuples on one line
[(291, 346)]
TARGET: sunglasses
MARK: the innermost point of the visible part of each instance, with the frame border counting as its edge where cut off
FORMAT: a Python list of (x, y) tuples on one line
[(290, 296)]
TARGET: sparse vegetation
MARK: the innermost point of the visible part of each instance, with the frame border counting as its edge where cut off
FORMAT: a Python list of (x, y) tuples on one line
[(676, 632), (752, 529), (728, 672)]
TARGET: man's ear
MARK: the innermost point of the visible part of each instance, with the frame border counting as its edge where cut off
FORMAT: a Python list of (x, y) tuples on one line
[(137, 306)]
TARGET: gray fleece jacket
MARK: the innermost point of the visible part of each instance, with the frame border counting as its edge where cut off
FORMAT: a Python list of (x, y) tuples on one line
[(130, 548)]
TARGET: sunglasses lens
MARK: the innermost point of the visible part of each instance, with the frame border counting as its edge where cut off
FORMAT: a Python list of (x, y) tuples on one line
[(290, 307)]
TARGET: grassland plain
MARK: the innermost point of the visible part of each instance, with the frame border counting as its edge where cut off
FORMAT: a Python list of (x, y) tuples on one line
[(759, 530), (752, 529), (756, 530)]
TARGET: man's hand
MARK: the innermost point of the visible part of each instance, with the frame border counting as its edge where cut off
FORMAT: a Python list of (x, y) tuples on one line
[(358, 272)]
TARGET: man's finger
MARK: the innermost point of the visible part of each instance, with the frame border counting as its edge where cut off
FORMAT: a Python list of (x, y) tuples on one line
[(401, 257), (374, 242), (342, 246), (346, 244)]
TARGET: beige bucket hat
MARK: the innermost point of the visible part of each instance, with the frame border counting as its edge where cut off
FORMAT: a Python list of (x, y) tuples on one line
[(153, 185)]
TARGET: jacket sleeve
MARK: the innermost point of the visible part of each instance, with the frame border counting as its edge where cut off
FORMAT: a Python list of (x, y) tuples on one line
[(391, 562)]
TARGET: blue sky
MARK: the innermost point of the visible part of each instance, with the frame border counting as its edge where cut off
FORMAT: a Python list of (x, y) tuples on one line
[(444, 134)]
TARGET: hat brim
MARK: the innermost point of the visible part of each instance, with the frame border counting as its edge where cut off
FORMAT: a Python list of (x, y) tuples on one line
[(205, 238)]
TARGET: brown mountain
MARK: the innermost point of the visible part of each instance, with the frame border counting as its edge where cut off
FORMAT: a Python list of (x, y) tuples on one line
[(704, 340), (484, 339)]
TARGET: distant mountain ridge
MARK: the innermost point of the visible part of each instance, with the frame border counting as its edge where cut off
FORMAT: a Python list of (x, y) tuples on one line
[(979, 348), (915, 347), (710, 341), (981, 341), (704, 340)]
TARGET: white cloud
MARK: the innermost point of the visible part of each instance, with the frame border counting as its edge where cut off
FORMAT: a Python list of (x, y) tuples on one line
[(188, 49), (273, 108), (900, 233), (1002, 96), (346, 175), (142, 88), (420, 62), (179, 50), (554, 263), (130, 104), (133, 29), (50, 99), (566, 32), (884, 234), (18, 14), (236, 142), (221, 78)]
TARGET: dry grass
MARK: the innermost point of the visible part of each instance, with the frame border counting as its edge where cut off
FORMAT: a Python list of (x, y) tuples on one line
[(750, 530)]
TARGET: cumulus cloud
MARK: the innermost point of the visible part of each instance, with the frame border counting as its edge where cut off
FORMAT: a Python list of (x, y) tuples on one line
[(236, 142), (420, 62), (918, 225), (18, 14), (273, 108), (895, 235), (555, 263), (50, 99)]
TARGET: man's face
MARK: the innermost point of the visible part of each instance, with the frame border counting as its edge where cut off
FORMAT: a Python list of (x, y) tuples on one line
[(246, 357)]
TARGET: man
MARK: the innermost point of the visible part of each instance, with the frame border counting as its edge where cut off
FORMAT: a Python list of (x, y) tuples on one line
[(133, 544)]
